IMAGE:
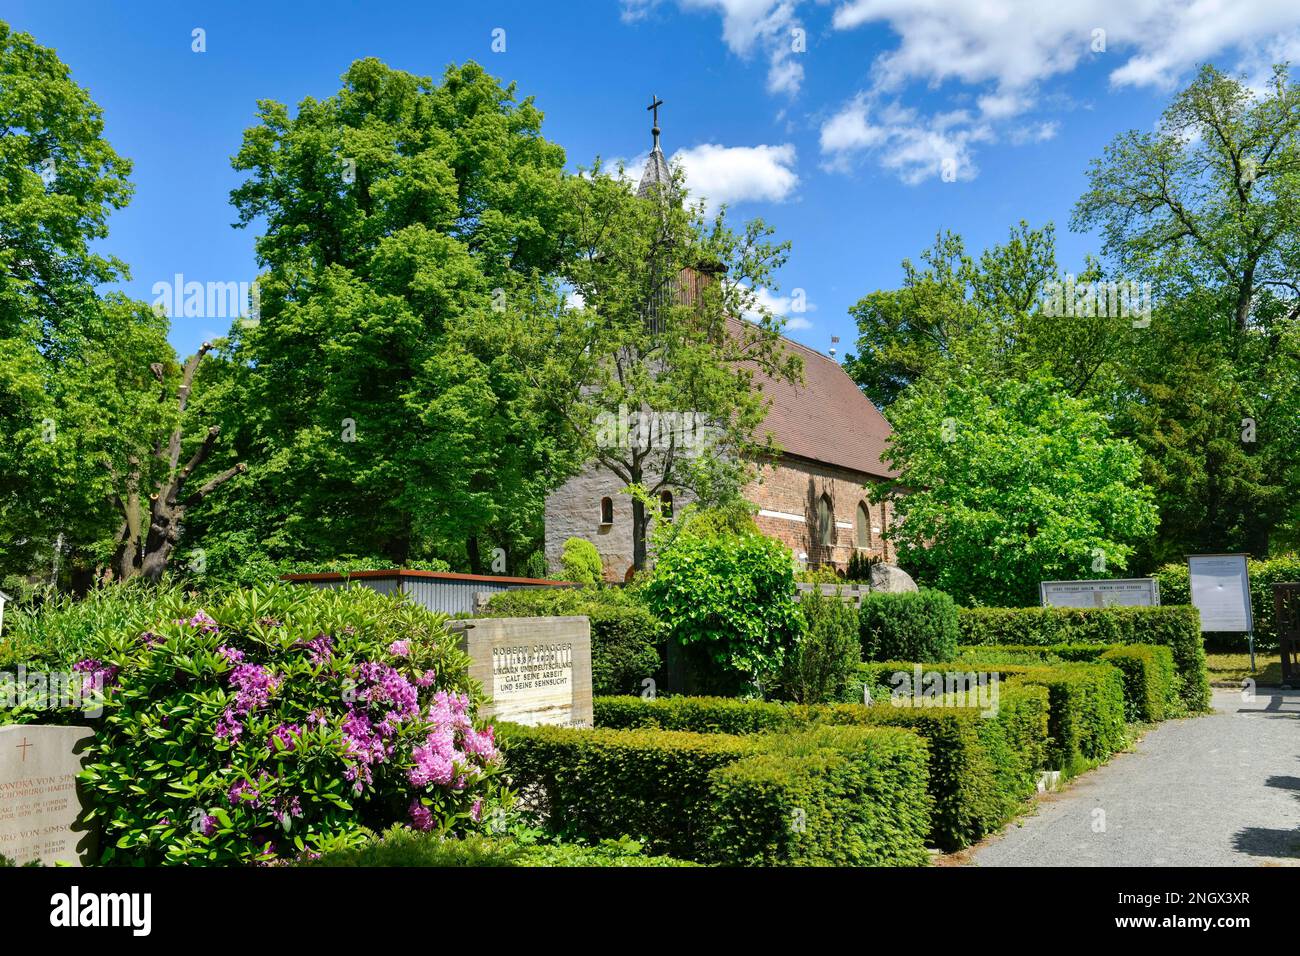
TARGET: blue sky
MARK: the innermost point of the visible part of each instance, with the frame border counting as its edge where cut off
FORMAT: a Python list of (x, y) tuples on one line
[(858, 128)]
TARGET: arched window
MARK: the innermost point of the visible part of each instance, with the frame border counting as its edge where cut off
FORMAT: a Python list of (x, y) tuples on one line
[(825, 521), (864, 525), (666, 505), (606, 510)]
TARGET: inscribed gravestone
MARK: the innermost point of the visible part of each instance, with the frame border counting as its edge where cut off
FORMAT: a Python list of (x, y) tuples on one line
[(38, 792), (534, 670), (1124, 592)]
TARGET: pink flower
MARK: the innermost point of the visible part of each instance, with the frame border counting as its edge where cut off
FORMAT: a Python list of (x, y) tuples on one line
[(421, 818), (400, 648), (231, 654), (476, 811)]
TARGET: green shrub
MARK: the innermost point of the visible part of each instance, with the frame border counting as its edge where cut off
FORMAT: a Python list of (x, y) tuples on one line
[(914, 626), (65, 630), (1085, 713), (1177, 628), (980, 769), (730, 598), (975, 780), (603, 784), (272, 722), (625, 636), (701, 715), (1175, 589), (581, 562), (830, 796), (403, 847), (820, 668), (1150, 684)]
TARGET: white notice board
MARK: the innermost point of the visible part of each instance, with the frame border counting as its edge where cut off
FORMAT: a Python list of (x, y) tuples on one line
[(1221, 591)]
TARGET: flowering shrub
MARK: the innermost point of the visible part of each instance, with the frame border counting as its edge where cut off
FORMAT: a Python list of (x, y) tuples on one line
[(281, 722)]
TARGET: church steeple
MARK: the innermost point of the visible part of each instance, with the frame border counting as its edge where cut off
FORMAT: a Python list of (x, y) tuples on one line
[(656, 174)]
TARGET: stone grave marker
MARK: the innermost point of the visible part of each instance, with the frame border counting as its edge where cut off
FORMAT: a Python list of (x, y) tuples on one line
[(38, 792), (534, 670)]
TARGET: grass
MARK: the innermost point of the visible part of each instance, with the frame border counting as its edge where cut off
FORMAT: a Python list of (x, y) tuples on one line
[(1235, 668)]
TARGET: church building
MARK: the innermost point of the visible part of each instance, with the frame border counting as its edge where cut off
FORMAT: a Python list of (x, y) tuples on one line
[(814, 498)]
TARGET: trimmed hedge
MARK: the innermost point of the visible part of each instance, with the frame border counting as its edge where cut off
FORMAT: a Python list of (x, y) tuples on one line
[(701, 715), (1175, 627), (980, 768), (825, 796), (1085, 713), (914, 626), (974, 777), (604, 784), (1150, 684), (832, 796)]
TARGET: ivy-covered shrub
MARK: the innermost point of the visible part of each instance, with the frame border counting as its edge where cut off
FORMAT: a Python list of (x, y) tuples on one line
[(911, 626), (1175, 589), (625, 636), (829, 796), (581, 562), (1177, 628), (276, 722), (729, 596), (820, 667)]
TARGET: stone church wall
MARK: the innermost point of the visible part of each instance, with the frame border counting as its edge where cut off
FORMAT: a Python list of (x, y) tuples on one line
[(786, 493)]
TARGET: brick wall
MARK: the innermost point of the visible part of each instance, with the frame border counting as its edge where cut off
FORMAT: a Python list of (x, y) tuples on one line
[(787, 491)]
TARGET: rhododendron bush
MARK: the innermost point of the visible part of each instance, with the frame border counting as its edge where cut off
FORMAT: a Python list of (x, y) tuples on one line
[(281, 722)]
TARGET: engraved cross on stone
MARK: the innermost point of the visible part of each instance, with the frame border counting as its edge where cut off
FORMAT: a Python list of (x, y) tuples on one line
[(24, 747)]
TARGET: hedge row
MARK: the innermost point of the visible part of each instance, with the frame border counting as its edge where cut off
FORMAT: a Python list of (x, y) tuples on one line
[(980, 770), (823, 796), (1177, 628), (1151, 685)]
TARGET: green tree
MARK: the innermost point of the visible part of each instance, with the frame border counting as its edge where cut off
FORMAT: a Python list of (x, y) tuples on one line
[(1004, 484), (81, 426), (655, 375), (1206, 208), (411, 243)]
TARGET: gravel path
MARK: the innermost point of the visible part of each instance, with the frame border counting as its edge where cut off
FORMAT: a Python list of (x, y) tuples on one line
[(1220, 790)]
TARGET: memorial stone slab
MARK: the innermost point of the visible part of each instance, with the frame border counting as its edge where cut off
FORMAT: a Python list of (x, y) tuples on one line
[(534, 670), (38, 792)]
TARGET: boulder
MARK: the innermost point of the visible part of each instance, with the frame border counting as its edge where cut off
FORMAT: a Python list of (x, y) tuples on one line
[(891, 578)]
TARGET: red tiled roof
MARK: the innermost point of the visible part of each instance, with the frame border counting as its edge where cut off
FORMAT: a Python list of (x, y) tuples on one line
[(827, 418)]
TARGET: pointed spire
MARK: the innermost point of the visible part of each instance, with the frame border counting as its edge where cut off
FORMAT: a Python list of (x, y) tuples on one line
[(656, 173)]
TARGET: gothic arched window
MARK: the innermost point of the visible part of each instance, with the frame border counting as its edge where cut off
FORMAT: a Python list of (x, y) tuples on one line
[(666, 505), (606, 510), (864, 525), (825, 521)]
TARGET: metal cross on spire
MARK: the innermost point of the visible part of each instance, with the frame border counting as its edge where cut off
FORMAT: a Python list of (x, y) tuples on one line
[(655, 103)]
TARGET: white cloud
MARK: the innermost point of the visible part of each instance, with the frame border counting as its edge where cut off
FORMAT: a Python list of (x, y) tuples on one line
[(915, 148), (1010, 48), (733, 174), (749, 26), (770, 303)]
